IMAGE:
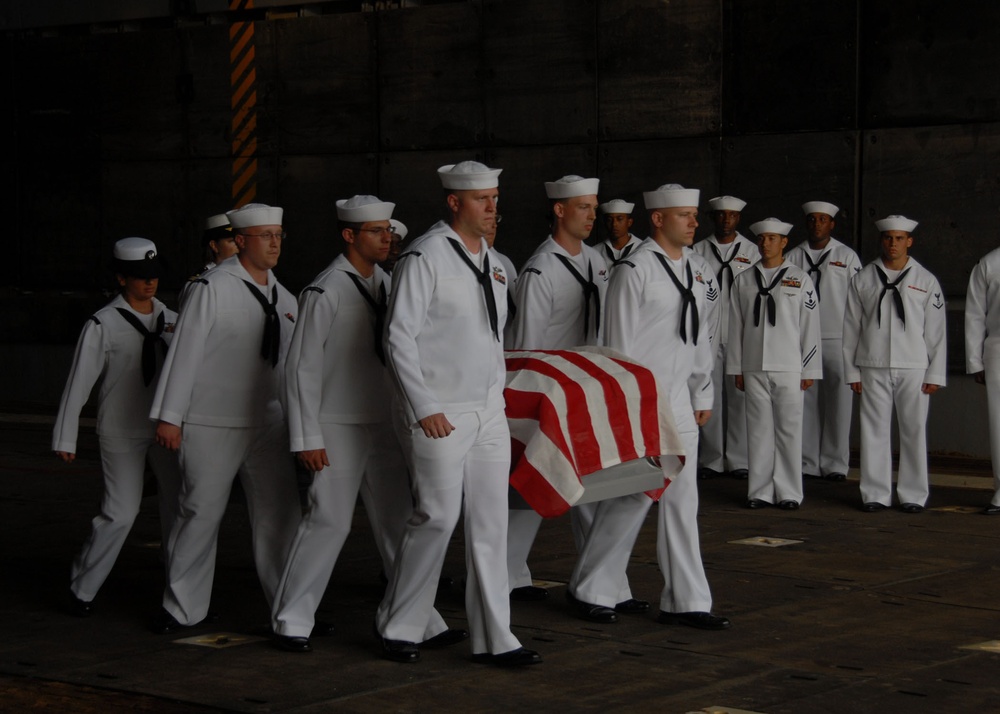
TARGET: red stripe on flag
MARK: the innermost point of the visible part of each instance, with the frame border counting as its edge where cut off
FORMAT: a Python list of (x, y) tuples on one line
[(536, 406), (649, 423), (535, 488), (586, 450), (616, 401)]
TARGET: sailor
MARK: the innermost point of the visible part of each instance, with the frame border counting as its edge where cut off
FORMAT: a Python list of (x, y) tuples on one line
[(218, 402), (729, 253), (559, 301), (618, 220), (894, 356), (398, 235), (826, 412), (982, 351), (661, 314), (443, 348), (218, 243), (121, 346), (338, 416), (775, 355)]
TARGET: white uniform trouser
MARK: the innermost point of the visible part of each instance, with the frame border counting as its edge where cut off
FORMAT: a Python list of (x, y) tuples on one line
[(123, 463), (599, 577), (358, 453), (991, 364), (774, 419), (209, 457), (522, 527), (826, 417), (880, 390), (473, 461), (724, 436)]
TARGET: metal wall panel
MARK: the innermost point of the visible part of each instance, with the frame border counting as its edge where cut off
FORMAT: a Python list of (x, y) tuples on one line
[(431, 77), (539, 71), (776, 174), (789, 65), (659, 68), (929, 62), (628, 169), (948, 179), (325, 98), (21, 14), (142, 114), (310, 187), (205, 90)]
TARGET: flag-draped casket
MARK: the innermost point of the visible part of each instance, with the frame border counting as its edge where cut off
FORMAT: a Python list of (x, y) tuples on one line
[(586, 424)]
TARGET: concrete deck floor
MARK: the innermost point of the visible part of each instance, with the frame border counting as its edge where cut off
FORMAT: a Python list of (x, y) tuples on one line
[(865, 613)]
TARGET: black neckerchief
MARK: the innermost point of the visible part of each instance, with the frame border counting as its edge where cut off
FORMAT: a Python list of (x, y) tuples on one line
[(271, 344), (815, 268), (378, 307), (483, 278), (766, 292), (149, 342), (896, 297), (589, 290), (624, 254), (687, 299), (724, 266)]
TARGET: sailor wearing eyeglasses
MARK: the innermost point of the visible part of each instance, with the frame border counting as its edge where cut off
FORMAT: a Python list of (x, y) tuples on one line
[(218, 404)]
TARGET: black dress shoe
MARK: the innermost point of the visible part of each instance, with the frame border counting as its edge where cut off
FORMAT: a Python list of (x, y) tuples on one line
[(292, 644), (788, 505), (836, 477), (873, 507), (810, 476), (164, 623), (529, 593), (515, 658), (701, 620), (446, 639), (596, 613), (632, 606), (991, 510), (911, 508), (322, 629), (397, 650), (78, 607), (740, 474), (756, 503), (704, 472)]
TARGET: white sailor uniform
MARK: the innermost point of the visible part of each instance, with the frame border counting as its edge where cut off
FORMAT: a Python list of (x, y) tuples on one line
[(774, 329), (612, 256), (554, 310), (444, 352), (892, 360), (724, 437), (650, 320), (982, 345), (186, 288), (110, 349), (339, 398), (230, 425), (826, 412)]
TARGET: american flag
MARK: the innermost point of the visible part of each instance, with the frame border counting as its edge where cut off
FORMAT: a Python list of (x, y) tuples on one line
[(574, 412)]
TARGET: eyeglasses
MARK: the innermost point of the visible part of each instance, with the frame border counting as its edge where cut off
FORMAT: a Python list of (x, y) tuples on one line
[(377, 231), (498, 218), (280, 235)]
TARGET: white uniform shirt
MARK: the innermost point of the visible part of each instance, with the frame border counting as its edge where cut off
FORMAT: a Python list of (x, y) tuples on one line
[(740, 255), (508, 265), (549, 299), (110, 349), (643, 322), (440, 347), (611, 256), (332, 373), (921, 345), (982, 311), (839, 264), (214, 374), (191, 281), (792, 343)]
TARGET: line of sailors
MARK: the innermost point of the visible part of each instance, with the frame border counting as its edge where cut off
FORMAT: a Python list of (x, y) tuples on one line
[(395, 392)]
